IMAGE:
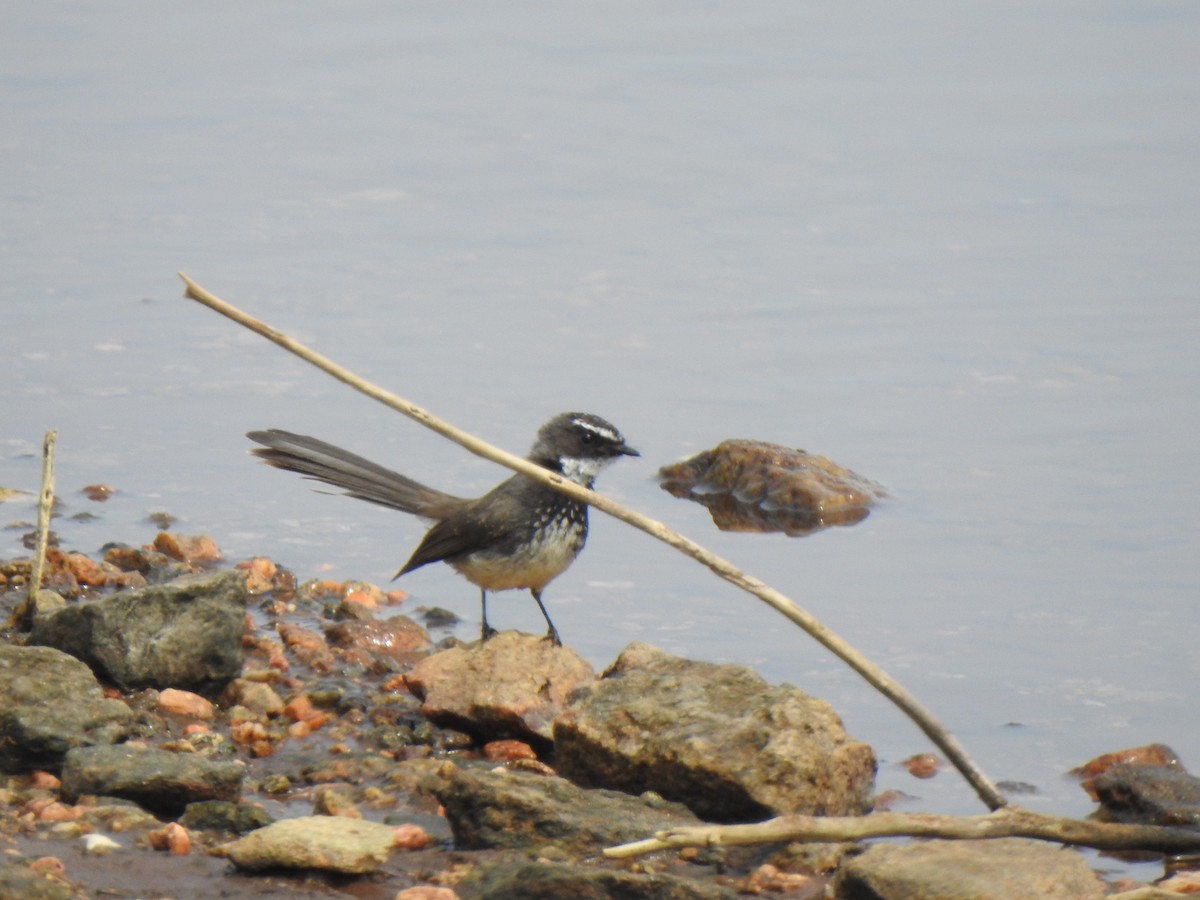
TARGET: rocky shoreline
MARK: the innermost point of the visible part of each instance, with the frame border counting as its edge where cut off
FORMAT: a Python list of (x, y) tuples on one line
[(173, 729)]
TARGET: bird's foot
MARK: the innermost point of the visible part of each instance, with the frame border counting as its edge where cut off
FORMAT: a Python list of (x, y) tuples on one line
[(553, 638), (487, 633)]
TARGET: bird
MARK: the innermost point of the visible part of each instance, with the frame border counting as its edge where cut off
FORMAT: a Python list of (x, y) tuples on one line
[(519, 535)]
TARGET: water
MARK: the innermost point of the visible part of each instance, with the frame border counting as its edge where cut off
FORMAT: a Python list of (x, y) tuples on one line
[(952, 247)]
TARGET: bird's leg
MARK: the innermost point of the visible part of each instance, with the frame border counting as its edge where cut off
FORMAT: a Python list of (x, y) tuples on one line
[(552, 634), (488, 630)]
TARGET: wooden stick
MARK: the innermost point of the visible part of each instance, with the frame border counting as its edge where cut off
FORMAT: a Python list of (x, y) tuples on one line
[(45, 507), (908, 704), (1011, 821)]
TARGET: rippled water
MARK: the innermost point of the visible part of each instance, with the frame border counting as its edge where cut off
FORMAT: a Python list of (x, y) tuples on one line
[(952, 247)]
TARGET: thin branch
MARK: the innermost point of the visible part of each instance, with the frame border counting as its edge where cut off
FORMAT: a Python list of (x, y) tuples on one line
[(908, 704), (21, 614), (45, 507), (1011, 821)]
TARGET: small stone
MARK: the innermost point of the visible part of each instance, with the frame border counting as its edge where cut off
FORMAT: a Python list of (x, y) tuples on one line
[(426, 892), (86, 571), (172, 837), (923, 765), (184, 703), (99, 845), (200, 550), (411, 837), (507, 751), (256, 696)]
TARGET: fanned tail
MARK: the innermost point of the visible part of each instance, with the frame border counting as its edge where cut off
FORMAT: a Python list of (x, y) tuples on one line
[(358, 477)]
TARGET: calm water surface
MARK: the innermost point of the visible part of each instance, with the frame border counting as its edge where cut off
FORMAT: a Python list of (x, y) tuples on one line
[(952, 246)]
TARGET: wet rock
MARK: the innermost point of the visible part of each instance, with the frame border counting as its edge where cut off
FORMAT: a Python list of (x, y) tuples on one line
[(186, 633), (757, 486), (185, 704), (158, 780), (21, 881), (717, 738), (967, 870), (197, 550), (1149, 795), (50, 703), (510, 686), (223, 815), (327, 843), (1146, 755), (553, 881), (399, 639), (256, 696), (46, 603), (490, 807)]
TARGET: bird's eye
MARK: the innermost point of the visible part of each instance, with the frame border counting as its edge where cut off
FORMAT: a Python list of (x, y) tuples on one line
[(587, 437)]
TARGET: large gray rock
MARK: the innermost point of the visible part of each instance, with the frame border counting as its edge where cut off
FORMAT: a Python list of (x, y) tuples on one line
[(554, 881), (51, 702), (156, 779), (967, 870), (510, 686), (490, 807), (186, 633), (717, 738), (327, 843)]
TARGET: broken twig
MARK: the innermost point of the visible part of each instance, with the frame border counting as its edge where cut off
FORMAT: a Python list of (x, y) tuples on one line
[(1011, 821)]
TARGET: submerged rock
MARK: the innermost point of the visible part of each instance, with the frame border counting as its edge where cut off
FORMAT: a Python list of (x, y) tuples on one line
[(490, 807), (326, 843), (1149, 795), (998, 869), (510, 686), (717, 738), (186, 633), (155, 779), (51, 702), (757, 486)]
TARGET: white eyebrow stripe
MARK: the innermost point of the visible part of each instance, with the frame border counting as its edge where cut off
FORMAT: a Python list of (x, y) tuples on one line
[(597, 429)]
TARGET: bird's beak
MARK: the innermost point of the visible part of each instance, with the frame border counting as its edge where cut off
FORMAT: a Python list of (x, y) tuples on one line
[(626, 450)]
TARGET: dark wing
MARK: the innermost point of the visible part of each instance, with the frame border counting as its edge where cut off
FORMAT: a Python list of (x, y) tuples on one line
[(497, 521)]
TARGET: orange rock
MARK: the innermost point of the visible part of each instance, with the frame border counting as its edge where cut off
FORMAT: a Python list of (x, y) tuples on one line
[(260, 574), (331, 802), (173, 837), (299, 708), (768, 878), (260, 749), (365, 595), (426, 892), (411, 837), (55, 811), (49, 865), (1181, 883), (45, 781), (197, 550), (184, 703), (248, 732), (922, 765), (507, 751), (98, 492), (86, 570), (195, 728), (396, 597)]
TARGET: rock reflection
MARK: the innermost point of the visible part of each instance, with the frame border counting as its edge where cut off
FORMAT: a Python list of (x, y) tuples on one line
[(760, 487)]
